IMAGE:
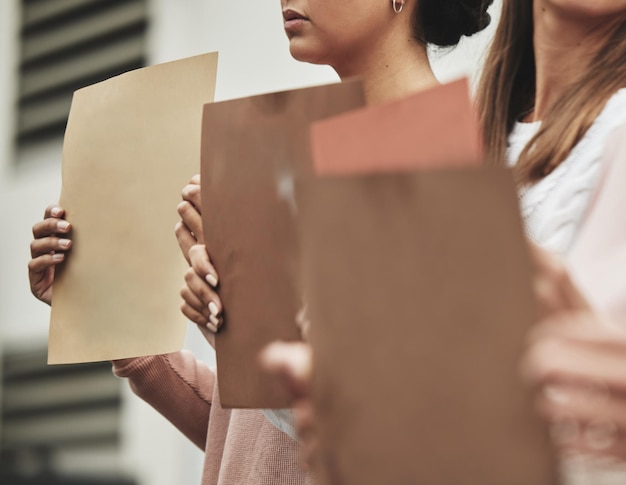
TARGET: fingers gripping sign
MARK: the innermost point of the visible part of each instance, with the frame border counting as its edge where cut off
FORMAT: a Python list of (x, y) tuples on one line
[(48, 249), (202, 303)]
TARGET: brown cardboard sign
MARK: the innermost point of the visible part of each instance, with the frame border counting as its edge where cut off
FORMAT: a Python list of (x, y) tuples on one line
[(429, 129), (252, 148), (131, 144), (419, 295)]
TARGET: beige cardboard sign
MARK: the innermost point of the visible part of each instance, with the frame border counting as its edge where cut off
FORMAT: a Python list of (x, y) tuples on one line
[(132, 142)]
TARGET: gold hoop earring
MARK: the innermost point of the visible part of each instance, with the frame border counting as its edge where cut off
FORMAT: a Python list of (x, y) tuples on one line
[(395, 6)]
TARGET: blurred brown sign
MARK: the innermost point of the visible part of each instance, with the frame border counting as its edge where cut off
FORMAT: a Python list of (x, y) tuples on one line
[(252, 149), (419, 294)]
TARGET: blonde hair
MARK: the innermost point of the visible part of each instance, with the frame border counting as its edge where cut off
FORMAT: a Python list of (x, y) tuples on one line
[(507, 92)]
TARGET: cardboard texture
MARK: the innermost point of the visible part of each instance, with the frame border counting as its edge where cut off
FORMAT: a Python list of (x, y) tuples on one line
[(251, 150), (131, 144), (419, 295), (426, 130)]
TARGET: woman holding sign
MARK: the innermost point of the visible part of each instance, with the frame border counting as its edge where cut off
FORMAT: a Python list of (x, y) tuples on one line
[(556, 112), (385, 43), (552, 94)]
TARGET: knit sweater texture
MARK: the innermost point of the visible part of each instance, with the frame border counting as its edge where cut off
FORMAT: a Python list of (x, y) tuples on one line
[(554, 208), (241, 446)]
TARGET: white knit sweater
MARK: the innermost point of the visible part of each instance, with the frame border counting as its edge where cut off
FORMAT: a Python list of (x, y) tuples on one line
[(553, 208)]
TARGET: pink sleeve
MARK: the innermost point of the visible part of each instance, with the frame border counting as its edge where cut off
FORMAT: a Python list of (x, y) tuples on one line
[(598, 259), (177, 385)]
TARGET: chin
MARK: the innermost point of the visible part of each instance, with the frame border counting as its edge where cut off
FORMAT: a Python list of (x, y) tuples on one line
[(302, 52), (592, 9)]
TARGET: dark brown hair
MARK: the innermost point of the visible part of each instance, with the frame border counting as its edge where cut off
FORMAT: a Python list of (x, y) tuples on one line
[(507, 92), (443, 22)]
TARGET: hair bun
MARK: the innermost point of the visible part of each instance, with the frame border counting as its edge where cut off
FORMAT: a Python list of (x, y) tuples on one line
[(443, 22)]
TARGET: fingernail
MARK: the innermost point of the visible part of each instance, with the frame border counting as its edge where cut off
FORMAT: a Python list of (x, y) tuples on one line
[(65, 243), (55, 212), (556, 394), (211, 327), (213, 309), (58, 256), (214, 320), (63, 225), (211, 279)]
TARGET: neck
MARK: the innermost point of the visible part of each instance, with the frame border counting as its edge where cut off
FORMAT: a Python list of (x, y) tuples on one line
[(388, 76), (565, 45)]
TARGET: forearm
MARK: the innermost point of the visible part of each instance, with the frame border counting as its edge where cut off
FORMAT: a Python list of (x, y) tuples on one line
[(177, 385)]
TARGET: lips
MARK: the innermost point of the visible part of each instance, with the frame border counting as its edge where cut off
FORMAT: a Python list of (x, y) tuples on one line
[(289, 15), (295, 22)]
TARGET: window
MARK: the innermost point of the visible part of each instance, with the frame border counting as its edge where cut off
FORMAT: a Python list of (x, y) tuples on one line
[(66, 45), (60, 424)]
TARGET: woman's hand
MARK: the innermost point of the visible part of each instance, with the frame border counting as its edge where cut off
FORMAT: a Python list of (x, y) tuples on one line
[(47, 250), (202, 304), (189, 229), (577, 362), (291, 364), (554, 289)]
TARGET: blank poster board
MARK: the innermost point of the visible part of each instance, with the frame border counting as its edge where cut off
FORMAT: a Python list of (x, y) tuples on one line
[(429, 129), (132, 143), (252, 149), (419, 296)]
